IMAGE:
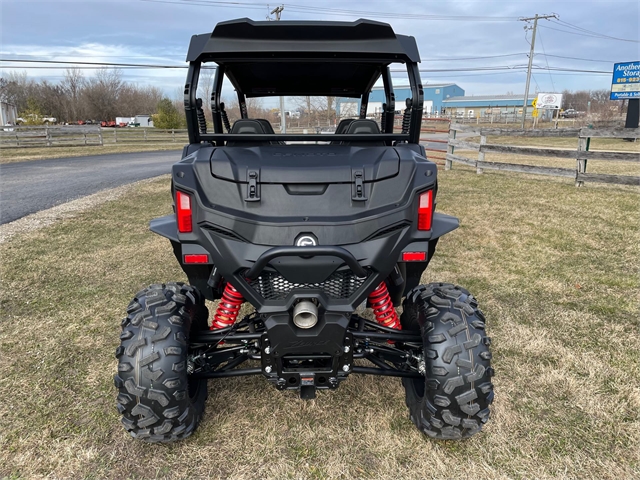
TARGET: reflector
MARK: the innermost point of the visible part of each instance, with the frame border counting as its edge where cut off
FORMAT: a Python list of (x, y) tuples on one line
[(196, 258), (414, 256)]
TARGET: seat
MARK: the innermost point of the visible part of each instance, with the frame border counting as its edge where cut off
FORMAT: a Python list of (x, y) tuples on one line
[(342, 128), (266, 125), (247, 127), (364, 127)]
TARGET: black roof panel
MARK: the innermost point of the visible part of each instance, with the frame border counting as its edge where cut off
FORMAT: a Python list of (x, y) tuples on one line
[(244, 38), (303, 58)]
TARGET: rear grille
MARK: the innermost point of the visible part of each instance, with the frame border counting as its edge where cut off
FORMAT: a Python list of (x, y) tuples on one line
[(273, 286)]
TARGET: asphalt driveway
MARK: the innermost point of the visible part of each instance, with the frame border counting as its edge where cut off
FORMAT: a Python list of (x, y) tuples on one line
[(28, 187)]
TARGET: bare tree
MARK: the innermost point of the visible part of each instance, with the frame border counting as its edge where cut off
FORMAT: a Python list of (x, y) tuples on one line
[(101, 94), (205, 85), (18, 89), (72, 85), (135, 100)]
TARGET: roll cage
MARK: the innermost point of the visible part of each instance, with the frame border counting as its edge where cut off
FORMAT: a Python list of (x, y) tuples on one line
[(341, 59)]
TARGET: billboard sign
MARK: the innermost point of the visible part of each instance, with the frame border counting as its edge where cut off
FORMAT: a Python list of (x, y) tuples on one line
[(626, 81), (549, 100)]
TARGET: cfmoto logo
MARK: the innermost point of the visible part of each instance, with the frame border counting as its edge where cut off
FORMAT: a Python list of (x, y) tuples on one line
[(306, 241)]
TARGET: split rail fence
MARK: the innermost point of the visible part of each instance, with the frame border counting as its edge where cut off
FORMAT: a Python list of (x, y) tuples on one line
[(85, 135), (582, 154)]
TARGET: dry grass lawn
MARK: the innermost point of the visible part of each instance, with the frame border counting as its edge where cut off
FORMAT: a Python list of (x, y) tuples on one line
[(11, 155), (554, 267)]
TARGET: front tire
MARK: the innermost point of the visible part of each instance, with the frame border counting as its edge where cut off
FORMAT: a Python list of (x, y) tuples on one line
[(156, 398), (452, 401)]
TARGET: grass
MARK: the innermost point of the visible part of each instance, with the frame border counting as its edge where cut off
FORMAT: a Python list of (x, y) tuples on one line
[(556, 272), (11, 155)]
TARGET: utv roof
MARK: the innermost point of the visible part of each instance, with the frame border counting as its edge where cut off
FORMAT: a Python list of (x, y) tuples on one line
[(302, 57)]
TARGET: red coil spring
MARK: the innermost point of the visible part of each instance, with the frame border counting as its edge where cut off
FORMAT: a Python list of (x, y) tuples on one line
[(228, 308), (382, 305)]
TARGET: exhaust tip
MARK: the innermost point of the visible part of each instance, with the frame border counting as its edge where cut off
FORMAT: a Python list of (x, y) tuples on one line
[(305, 314)]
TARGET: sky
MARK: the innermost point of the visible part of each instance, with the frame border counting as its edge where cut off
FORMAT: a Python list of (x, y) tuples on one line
[(458, 40)]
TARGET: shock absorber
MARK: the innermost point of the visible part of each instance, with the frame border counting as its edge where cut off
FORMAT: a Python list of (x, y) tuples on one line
[(382, 305), (228, 308)]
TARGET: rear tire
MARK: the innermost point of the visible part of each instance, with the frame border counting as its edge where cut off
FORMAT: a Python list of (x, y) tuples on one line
[(156, 398), (452, 401)]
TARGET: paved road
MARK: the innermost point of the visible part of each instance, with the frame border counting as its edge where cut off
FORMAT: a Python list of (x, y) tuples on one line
[(28, 187)]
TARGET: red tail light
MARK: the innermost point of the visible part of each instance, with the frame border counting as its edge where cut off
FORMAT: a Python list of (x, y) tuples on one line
[(184, 212), (425, 210)]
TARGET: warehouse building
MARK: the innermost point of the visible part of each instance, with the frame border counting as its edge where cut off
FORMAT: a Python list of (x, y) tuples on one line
[(484, 105), (434, 98)]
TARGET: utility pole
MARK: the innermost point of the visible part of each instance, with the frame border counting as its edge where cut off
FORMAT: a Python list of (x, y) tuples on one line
[(283, 121), (533, 43)]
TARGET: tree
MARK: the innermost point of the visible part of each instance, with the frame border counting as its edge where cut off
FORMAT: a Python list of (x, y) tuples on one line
[(72, 85), (205, 85), (32, 114), (168, 116), (101, 94)]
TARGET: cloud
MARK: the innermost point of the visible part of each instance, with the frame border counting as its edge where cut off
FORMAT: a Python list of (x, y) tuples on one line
[(148, 32)]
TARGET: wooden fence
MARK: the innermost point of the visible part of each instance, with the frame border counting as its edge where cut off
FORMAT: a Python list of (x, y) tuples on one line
[(581, 154), (85, 135)]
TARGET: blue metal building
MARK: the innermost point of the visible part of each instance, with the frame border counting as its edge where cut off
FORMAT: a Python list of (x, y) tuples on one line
[(434, 97), (484, 105)]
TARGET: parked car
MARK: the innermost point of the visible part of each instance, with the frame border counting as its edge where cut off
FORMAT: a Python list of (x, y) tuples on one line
[(571, 113)]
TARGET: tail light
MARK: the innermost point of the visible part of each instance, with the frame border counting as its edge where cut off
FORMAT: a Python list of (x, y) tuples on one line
[(425, 210), (184, 212)]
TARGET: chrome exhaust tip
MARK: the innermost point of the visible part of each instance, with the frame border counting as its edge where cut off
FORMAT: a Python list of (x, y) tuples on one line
[(305, 314)]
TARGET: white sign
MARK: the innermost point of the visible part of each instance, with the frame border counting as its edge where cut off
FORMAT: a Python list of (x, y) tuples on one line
[(549, 100)]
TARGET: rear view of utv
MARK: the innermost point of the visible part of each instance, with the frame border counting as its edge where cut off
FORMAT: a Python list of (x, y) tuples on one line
[(308, 243)]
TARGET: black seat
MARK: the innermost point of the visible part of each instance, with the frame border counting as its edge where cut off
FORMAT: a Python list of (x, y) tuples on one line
[(364, 127), (269, 129), (247, 127), (266, 125), (342, 128)]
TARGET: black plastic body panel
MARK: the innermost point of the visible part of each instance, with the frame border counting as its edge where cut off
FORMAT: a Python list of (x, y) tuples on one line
[(236, 232)]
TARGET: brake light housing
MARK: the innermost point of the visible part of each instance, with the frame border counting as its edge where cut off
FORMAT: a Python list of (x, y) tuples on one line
[(425, 210), (184, 212)]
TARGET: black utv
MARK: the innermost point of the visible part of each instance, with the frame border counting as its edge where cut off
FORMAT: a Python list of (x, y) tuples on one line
[(309, 230)]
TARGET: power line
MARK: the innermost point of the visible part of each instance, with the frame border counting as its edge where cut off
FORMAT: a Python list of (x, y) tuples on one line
[(65, 62), (546, 60), (442, 59), (152, 66), (472, 58), (305, 9), (575, 58), (603, 37), (575, 27)]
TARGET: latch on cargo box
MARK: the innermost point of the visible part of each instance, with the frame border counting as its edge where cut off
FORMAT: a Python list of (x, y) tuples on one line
[(357, 191), (253, 186)]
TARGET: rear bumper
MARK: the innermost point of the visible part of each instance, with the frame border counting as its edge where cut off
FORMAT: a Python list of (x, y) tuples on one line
[(235, 260)]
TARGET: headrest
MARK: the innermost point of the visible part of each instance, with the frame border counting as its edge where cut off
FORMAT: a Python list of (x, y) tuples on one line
[(247, 127), (344, 125), (266, 126), (363, 126)]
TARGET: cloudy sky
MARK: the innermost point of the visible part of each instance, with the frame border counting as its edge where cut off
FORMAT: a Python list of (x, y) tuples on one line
[(458, 40)]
